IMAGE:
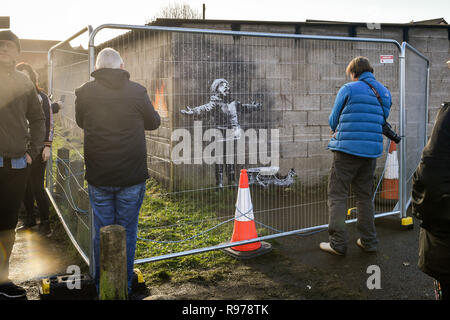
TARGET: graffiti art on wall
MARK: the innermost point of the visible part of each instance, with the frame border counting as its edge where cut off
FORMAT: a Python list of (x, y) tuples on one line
[(160, 102), (267, 176), (223, 112)]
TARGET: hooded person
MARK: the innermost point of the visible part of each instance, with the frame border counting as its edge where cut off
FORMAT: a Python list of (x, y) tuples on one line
[(431, 204), (114, 113)]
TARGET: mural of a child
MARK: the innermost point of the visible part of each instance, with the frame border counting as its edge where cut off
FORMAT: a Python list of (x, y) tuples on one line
[(224, 115)]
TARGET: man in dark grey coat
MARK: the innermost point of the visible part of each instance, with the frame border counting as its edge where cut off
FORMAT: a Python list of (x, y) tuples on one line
[(22, 130), (431, 204), (114, 113)]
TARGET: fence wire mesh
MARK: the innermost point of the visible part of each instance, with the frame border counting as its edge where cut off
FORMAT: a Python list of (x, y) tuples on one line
[(232, 102), (416, 111), (70, 69)]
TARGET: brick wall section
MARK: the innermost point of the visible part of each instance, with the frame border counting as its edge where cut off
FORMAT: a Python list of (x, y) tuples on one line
[(300, 136), (298, 82)]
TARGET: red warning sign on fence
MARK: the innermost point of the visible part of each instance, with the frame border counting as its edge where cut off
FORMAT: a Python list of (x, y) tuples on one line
[(386, 59)]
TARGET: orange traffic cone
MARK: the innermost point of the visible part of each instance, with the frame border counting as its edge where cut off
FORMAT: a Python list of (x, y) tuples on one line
[(244, 225), (390, 180)]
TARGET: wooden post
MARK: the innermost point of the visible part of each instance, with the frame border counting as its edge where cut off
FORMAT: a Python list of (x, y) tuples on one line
[(76, 180), (113, 263), (63, 171)]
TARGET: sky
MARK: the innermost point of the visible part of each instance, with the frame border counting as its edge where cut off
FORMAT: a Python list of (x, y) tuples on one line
[(58, 20)]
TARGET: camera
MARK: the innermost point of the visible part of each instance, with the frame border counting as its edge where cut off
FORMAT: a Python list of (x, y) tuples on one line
[(390, 133)]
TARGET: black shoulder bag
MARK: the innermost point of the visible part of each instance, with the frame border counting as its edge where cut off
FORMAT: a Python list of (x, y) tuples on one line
[(387, 128)]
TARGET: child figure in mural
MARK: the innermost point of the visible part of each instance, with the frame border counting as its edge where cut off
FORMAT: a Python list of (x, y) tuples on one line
[(224, 115)]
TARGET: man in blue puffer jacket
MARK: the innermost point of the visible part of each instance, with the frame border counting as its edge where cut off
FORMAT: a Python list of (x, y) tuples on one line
[(356, 121)]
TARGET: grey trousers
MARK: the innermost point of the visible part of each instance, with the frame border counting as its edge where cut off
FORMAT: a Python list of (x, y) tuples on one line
[(358, 172)]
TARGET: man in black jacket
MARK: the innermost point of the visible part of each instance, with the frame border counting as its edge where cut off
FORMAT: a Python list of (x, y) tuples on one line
[(114, 113), (22, 129)]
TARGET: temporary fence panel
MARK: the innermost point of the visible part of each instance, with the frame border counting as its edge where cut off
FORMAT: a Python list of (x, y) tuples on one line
[(416, 112), (69, 69), (272, 121)]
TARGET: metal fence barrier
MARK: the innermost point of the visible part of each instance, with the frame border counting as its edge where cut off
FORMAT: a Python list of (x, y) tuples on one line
[(281, 91), (416, 93), (68, 69)]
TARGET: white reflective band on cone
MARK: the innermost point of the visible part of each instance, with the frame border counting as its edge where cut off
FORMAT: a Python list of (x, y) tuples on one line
[(244, 206), (392, 167)]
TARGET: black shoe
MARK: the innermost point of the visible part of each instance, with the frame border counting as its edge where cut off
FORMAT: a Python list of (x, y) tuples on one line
[(10, 291), (44, 228), (28, 224)]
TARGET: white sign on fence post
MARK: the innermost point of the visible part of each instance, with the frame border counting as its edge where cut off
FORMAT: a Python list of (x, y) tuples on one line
[(386, 59)]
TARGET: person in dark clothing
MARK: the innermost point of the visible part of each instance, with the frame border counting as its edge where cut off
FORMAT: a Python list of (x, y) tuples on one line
[(357, 141), (431, 204), (22, 129), (114, 113), (35, 186)]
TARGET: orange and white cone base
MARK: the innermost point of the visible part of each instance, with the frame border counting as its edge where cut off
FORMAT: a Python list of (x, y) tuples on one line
[(244, 224), (391, 176)]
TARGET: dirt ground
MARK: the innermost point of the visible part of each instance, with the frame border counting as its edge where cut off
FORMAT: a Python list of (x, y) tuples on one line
[(35, 257), (295, 269)]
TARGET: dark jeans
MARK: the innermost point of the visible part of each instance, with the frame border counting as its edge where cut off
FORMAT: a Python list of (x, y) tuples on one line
[(348, 170), (116, 205), (12, 189), (35, 190)]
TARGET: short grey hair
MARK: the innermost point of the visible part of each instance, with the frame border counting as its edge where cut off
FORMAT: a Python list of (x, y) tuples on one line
[(108, 58)]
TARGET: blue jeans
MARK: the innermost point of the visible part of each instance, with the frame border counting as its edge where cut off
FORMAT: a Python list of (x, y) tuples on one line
[(116, 205)]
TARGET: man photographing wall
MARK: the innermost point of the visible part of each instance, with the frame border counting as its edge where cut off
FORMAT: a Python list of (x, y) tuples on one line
[(114, 113)]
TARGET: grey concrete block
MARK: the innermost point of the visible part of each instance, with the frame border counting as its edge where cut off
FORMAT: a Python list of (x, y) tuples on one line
[(317, 148), (267, 28), (325, 30), (331, 72), (320, 55), (418, 43), (286, 134), (294, 118), (291, 150), (283, 102), (306, 102), (438, 45), (295, 54), (322, 87), (307, 134), (317, 118), (327, 102), (428, 32), (439, 59), (307, 72)]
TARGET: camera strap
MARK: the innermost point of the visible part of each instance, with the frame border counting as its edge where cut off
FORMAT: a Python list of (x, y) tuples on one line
[(376, 95)]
